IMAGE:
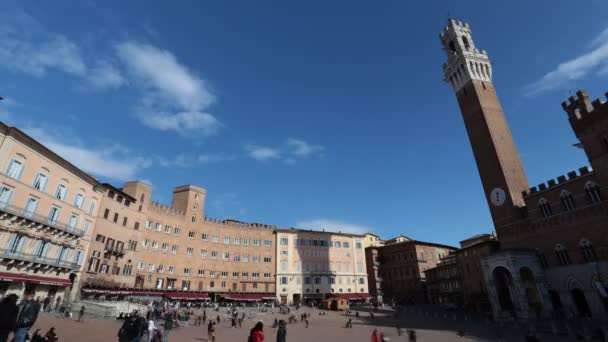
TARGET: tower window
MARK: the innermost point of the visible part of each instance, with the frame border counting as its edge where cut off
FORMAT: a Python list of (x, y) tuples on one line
[(562, 255), (593, 192), (452, 46), (465, 41), (545, 207), (567, 200), (587, 250)]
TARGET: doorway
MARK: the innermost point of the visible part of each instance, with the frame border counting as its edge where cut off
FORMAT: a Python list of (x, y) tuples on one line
[(503, 282)]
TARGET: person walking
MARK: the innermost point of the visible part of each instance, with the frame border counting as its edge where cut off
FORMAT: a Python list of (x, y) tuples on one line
[(28, 314), (375, 336), (282, 332), (151, 329), (412, 335), (209, 330), (81, 313), (257, 333), (168, 326), (212, 332), (8, 316), (126, 333)]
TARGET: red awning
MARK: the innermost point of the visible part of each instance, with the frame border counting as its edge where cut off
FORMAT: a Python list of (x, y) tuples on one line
[(247, 296), (352, 296), (187, 296), (33, 279)]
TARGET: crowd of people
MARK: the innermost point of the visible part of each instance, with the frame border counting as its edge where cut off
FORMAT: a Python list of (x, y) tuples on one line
[(18, 319)]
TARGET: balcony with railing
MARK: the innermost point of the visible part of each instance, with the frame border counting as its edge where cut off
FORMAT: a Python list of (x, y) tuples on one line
[(7, 254), (116, 250), (39, 221)]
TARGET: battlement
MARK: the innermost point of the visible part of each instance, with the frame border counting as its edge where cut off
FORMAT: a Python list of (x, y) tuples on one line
[(579, 106), (165, 209), (238, 224), (552, 183)]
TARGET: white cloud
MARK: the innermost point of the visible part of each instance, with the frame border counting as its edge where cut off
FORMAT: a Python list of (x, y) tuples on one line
[(289, 153), (262, 153), (187, 161), (593, 61), (183, 122), (111, 161), (174, 98), (161, 72), (28, 47), (106, 75), (301, 148), (213, 158), (334, 225)]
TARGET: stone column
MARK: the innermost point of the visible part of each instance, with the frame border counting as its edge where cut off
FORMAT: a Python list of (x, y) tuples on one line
[(520, 298)]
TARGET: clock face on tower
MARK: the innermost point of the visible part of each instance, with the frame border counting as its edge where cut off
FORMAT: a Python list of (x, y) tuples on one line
[(498, 197)]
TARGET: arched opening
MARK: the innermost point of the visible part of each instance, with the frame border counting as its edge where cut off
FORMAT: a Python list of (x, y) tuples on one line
[(593, 192), (452, 46), (567, 200), (503, 282), (529, 285), (465, 41), (545, 207), (582, 307)]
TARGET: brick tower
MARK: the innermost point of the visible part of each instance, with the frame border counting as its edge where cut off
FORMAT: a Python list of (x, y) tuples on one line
[(469, 72)]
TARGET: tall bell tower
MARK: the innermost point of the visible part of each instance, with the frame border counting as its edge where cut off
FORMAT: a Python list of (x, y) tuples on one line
[(469, 72)]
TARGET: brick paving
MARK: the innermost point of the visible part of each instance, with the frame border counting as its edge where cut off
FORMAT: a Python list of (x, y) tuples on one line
[(322, 328)]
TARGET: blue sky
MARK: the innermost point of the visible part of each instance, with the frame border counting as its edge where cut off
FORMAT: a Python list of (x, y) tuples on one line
[(310, 114)]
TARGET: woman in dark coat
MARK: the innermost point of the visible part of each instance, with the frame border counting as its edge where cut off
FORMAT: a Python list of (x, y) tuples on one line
[(282, 332)]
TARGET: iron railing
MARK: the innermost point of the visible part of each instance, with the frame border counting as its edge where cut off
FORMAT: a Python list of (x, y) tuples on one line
[(8, 254), (22, 212), (115, 250)]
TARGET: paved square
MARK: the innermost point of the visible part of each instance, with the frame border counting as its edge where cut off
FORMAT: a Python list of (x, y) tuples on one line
[(330, 327)]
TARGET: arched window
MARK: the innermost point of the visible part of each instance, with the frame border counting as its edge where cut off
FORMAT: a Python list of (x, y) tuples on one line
[(465, 41), (587, 250), (545, 207), (452, 46), (562, 255), (567, 200), (593, 192)]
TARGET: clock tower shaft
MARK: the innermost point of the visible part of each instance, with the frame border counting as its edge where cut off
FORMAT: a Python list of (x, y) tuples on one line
[(469, 73)]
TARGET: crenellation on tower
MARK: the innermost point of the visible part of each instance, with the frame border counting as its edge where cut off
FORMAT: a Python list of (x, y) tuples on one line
[(465, 61)]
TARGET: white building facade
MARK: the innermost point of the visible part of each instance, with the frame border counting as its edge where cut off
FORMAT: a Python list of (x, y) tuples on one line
[(313, 265)]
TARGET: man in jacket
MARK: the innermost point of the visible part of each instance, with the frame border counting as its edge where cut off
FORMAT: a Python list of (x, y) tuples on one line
[(141, 325), (28, 314), (8, 316)]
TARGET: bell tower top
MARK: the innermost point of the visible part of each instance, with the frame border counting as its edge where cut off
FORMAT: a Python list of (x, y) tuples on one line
[(465, 62)]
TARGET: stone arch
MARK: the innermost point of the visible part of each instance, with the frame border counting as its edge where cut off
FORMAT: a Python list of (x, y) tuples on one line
[(503, 282)]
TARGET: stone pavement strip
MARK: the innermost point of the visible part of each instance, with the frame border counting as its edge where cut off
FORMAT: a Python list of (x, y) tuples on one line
[(322, 328)]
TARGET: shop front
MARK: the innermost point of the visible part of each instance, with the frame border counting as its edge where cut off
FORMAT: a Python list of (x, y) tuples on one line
[(51, 292)]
